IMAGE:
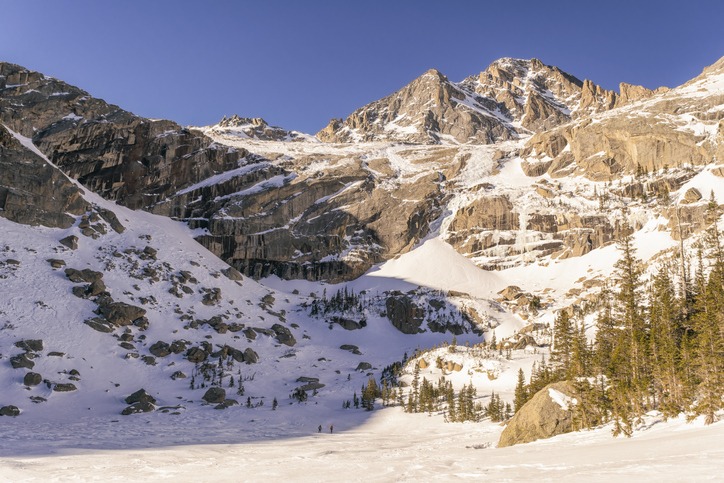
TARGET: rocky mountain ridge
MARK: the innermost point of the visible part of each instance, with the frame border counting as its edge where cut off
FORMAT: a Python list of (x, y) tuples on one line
[(256, 128), (320, 211), (509, 99)]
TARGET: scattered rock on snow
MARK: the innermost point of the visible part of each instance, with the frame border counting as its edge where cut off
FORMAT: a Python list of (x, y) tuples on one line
[(70, 242), (250, 356), (212, 296), (160, 349), (692, 195), (99, 324), (86, 275), (139, 407), (64, 387), (9, 410), (227, 403), (351, 348), (121, 313), (30, 345), (232, 274), (363, 366), (21, 361), (284, 335), (56, 262), (140, 396), (32, 379), (196, 354), (215, 395)]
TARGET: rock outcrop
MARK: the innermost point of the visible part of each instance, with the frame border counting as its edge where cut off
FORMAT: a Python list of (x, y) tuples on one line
[(256, 128), (481, 109), (32, 191), (649, 130), (429, 110), (548, 413), (404, 314), (113, 152)]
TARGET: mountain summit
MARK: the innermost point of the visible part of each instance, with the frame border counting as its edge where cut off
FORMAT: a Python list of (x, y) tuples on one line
[(510, 98)]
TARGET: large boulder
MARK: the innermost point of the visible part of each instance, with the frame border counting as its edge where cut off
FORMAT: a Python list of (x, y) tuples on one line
[(86, 275), (32, 379), (284, 335), (121, 313), (548, 413), (215, 395), (21, 361), (404, 314), (140, 396), (250, 356), (30, 345), (9, 411), (160, 349), (196, 355)]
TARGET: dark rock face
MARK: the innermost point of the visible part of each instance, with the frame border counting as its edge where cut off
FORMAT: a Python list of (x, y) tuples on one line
[(404, 314), (111, 151), (277, 228), (32, 191), (215, 395)]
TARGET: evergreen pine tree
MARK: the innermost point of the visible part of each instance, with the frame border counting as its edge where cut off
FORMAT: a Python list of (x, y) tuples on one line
[(521, 391), (562, 343)]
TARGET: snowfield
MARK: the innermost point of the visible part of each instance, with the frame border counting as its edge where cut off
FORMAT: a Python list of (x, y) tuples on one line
[(388, 446)]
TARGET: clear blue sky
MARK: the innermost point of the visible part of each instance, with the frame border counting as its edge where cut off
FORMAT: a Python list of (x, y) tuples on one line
[(300, 63)]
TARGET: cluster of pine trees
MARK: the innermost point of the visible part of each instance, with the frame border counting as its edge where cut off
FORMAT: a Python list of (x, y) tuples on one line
[(658, 346), (427, 397), (343, 301)]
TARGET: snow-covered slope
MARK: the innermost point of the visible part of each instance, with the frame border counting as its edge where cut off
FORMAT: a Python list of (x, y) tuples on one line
[(365, 252)]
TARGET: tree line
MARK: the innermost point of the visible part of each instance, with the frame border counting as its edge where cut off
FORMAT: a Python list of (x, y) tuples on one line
[(658, 345)]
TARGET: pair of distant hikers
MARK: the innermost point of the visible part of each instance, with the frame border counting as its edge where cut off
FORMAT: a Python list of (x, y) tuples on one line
[(331, 428)]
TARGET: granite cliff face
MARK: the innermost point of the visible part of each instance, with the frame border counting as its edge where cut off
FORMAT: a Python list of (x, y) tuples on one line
[(666, 128), (115, 153), (32, 191), (509, 166)]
